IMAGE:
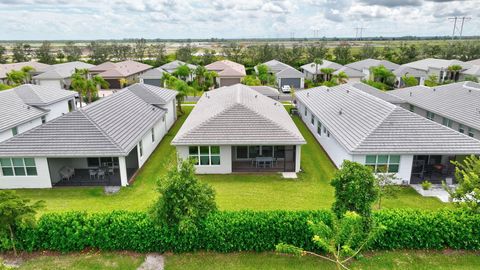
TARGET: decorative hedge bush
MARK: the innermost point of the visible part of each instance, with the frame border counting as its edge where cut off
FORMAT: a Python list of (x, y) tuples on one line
[(240, 231)]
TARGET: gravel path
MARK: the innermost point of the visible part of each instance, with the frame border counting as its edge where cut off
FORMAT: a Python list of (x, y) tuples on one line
[(153, 261)]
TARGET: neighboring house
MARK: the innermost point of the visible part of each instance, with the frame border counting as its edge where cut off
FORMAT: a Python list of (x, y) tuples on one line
[(60, 75), (153, 77), (172, 67), (311, 71), (6, 68), (473, 71), (405, 70), (103, 144), (229, 73), (353, 125), (455, 105), (353, 74), (28, 106), (285, 74), (436, 67), (114, 72), (365, 65), (475, 62), (235, 129)]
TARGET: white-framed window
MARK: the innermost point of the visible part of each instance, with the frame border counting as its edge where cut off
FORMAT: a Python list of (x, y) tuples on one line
[(204, 155), (470, 132), (18, 167), (14, 131), (461, 128), (140, 148), (319, 128), (44, 119), (430, 115), (447, 122), (412, 108), (153, 135), (383, 163), (312, 119), (306, 111), (328, 134)]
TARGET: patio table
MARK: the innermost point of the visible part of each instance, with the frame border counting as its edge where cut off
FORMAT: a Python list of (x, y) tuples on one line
[(264, 160)]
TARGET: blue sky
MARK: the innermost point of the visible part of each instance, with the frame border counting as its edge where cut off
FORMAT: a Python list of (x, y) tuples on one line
[(98, 19)]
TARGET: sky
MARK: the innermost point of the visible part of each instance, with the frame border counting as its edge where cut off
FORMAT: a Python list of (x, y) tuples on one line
[(164, 19)]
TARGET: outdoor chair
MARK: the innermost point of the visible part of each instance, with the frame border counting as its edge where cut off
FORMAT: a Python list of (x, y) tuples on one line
[(93, 174), (101, 174)]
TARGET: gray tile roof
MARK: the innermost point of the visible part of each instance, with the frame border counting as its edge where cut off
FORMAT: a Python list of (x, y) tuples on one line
[(289, 72), (6, 68), (459, 102), (153, 94), (406, 70), (236, 115), (62, 71), (111, 126), (169, 67), (368, 63), (326, 64), (364, 124), (156, 73), (378, 93), (265, 90), (275, 66), (474, 62), (426, 64), (23, 103), (474, 71), (351, 73)]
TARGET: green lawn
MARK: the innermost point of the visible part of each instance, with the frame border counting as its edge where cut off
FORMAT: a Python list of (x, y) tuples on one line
[(84, 261), (234, 192), (405, 260)]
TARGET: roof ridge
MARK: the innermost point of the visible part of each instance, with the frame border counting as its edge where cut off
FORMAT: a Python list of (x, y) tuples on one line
[(101, 130)]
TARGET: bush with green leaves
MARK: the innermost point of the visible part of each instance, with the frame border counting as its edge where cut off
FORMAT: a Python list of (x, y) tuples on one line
[(355, 189), (467, 175), (426, 185), (224, 231), (184, 201)]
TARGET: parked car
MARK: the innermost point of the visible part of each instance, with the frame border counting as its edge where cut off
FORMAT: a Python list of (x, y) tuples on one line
[(286, 89)]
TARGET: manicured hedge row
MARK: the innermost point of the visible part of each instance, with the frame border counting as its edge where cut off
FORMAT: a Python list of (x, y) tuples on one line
[(240, 231)]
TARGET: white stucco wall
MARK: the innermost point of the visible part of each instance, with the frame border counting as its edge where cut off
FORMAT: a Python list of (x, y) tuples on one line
[(171, 115), (42, 180), (7, 134), (160, 129), (57, 109), (334, 150), (225, 166)]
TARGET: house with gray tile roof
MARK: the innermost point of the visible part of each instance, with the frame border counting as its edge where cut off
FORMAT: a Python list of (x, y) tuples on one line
[(312, 70), (6, 68), (385, 95), (153, 77), (59, 75), (455, 105), (285, 74), (171, 67), (438, 68), (235, 129), (102, 144), (28, 106), (351, 124), (365, 65)]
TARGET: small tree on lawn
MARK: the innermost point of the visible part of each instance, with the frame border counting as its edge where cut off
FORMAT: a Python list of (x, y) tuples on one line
[(343, 240), (467, 175), (16, 212), (385, 186), (355, 189), (184, 201)]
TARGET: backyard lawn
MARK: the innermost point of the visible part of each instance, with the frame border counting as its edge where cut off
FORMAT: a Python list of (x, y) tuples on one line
[(234, 192)]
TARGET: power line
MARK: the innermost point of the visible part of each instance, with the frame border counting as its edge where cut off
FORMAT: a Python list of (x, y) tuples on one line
[(456, 28), (359, 32)]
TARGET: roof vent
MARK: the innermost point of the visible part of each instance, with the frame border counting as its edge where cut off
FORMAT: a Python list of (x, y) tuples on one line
[(434, 89), (328, 89), (340, 112), (275, 104), (28, 107), (308, 94), (256, 96), (410, 93), (469, 90), (348, 91)]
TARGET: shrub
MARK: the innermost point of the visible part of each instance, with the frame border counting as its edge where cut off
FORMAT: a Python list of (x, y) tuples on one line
[(241, 231), (426, 185)]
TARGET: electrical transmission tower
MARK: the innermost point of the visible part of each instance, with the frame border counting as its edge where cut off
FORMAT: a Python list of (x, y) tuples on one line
[(359, 32), (458, 23)]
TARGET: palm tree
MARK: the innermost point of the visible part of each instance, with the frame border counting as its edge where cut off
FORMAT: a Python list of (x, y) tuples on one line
[(92, 86), (454, 71), (200, 73), (16, 77), (341, 77), (316, 63), (182, 89), (327, 72), (79, 84), (28, 73)]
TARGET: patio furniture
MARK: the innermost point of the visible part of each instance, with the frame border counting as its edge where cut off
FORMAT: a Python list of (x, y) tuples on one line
[(66, 173), (110, 171), (263, 160), (101, 174), (93, 174)]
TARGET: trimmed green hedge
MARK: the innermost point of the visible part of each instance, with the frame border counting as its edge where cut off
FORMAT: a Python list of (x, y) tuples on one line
[(240, 231)]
